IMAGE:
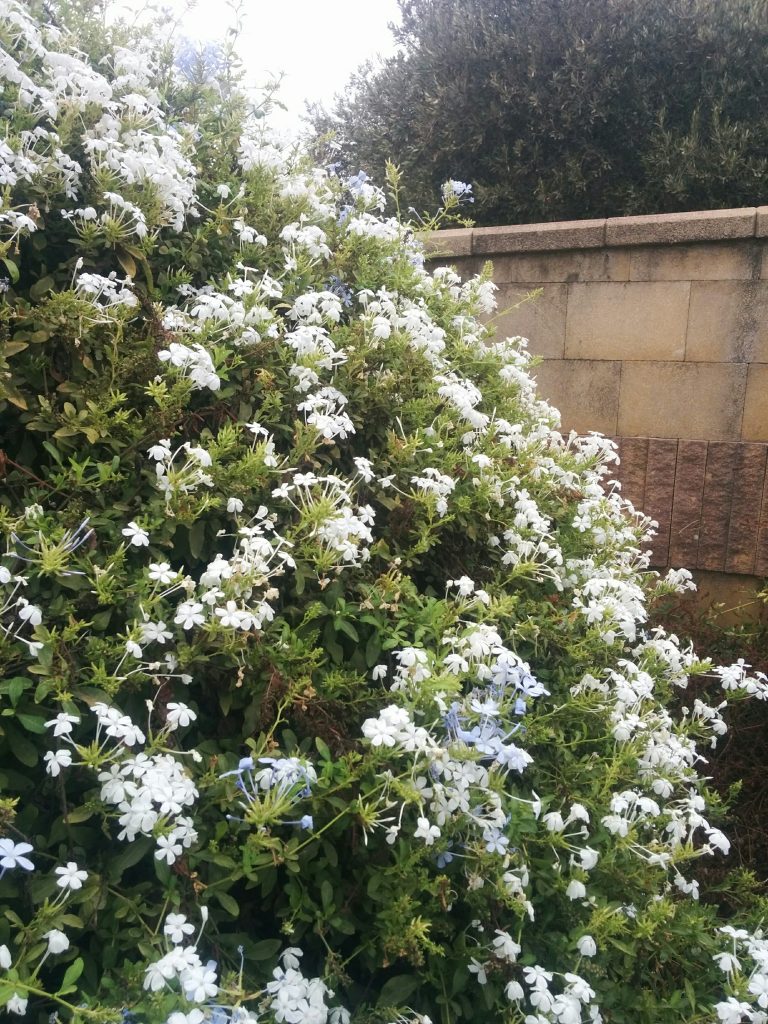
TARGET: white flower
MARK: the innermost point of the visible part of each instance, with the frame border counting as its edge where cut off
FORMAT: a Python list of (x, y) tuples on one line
[(189, 614), (13, 855), (168, 849), (136, 536), (478, 969), (161, 572), (199, 983), (17, 1004), (587, 946), (62, 724), (504, 947), (176, 927), (56, 760), (57, 941), (514, 991), (576, 890), (180, 715), (429, 833), (5, 958), (71, 876), (234, 505)]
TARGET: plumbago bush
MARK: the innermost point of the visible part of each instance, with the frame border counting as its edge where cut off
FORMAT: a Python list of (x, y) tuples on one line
[(327, 689)]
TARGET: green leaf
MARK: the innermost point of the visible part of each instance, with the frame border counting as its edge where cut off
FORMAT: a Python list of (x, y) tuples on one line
[(229, 903), (326, 894), (12, 269), (40, 287), (397, 990), (21, 748), (265, 949), (71, 975)]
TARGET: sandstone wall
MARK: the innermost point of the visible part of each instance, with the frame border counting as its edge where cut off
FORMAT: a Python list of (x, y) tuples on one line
[(653, 330)]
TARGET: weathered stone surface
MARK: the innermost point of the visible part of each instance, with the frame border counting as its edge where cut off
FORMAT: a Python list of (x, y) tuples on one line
[(686, 503), (700, 401), (728, 322), (665, 228), (761, 552), (633, 465), (449, 242), (586, 393), (570, 234), (748, 483), (643, 320), (716, 505), (754, 425), (761, 222), (540, 319), (659, 492), (575, 265), (704, 261)]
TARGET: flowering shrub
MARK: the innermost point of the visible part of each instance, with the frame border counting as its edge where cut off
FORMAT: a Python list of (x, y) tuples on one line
[(327, 688)]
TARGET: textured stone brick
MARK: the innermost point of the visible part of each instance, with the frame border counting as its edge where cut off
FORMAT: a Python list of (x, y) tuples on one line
[(633, 456), (451, 242), (576, 265), (754, 426), (728, 322), (540, 319), (716, 505), (714, 261), (665, 228), (568, 234), (761, 552), (643, 320), (761, 222), (659, 493), (699, 401), (586, 393), (686, 503), (748, 484)]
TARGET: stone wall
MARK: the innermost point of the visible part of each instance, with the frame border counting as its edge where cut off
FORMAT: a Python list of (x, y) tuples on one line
[(653, 330)]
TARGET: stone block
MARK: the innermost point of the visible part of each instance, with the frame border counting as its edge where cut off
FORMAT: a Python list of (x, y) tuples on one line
[(714, 261), (761, 222), (659, 494), (633, 465), (755, 423), (586, 393), (643, 320), (744, 526), (590, 265), (449, 242), (686, 504), (568, 234), (540, 319), (696, 401), (716, 505), (761, 553), (664, 228), (728, 322)]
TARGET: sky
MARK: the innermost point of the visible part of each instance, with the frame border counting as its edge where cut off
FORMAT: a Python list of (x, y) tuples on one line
[(318, 44)]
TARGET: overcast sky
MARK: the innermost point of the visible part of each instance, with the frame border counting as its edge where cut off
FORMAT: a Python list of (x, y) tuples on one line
[(318, 44)]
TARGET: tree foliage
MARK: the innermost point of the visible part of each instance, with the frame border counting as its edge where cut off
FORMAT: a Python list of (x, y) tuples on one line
[(567, 109), (327, 686)]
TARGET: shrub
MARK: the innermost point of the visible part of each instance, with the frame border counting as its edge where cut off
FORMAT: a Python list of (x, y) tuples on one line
[(326, 685), (566, 109)]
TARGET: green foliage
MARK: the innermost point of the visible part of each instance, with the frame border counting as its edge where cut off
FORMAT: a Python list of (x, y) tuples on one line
[(314, 629), (566, 109)]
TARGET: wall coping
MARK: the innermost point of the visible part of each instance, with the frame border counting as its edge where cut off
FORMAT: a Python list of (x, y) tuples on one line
[(653, 229)]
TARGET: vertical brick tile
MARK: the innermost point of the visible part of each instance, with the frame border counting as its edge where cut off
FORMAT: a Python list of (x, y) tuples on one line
[(748, 481), (686, 504), (659, 492), (633, 453), (761, 554), (716, 510)]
